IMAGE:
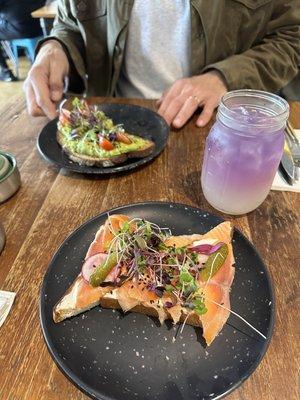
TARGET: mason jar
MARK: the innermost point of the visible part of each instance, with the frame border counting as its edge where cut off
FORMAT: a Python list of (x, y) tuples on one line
[(243, 150)]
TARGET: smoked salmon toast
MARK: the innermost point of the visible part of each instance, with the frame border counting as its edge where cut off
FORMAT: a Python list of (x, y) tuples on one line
[(133, 264)]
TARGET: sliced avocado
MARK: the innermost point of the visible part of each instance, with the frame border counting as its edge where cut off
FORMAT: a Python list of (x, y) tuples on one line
[(92, 148), (103, 270), (214, 263)]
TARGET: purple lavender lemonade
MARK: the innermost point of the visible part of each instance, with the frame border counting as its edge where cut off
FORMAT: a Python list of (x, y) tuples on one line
[(243, 151)]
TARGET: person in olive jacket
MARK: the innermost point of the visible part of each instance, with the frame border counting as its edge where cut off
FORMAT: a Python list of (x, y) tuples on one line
[(187, 54), (16, 23)]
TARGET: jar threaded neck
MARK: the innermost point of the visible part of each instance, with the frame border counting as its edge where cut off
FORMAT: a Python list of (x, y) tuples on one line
[(253, 108)]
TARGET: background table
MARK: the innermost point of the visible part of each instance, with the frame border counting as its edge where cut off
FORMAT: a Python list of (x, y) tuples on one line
[(52, 203), (45, 13)]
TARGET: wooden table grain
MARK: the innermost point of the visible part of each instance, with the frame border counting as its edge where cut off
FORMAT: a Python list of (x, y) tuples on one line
[(52, 203)]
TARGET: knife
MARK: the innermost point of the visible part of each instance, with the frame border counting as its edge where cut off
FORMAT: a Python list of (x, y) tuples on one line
[(287, 166)]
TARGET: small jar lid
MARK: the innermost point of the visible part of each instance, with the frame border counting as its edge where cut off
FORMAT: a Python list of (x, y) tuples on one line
[(10, 179), (5, 166)]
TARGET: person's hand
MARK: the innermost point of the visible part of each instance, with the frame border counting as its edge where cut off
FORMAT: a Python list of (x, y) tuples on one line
[(45, 81), (181, 100)]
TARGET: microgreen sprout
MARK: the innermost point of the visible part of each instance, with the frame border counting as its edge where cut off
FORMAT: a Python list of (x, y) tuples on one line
[(139, 246)]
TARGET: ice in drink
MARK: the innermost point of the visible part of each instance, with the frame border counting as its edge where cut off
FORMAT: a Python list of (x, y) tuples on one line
[(242, 154)]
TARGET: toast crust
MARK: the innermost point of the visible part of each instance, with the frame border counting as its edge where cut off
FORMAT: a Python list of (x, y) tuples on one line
[(107, 302), (59, 314)]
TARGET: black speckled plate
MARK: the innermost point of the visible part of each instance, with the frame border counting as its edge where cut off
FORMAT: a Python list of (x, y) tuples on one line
[(110, 355), (137, 120)]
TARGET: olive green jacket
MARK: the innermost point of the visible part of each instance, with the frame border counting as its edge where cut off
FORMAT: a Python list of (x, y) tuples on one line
[(252, 43)]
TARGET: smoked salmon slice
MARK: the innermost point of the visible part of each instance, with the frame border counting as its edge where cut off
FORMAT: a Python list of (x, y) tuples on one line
[(136, 294), (106, 233), (81, 296), (218, 288)]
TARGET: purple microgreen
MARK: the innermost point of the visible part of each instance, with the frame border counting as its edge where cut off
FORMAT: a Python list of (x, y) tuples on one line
[(166, 278), (159, 291), (112, 137), (206, 248), (74, 134), (151, 287)]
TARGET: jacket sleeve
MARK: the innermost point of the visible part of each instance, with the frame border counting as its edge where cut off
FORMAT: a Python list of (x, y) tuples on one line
[(272, 63), (66, 31)]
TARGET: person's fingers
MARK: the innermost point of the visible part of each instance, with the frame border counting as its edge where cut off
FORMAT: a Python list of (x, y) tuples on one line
[(39, 82), (56, 82), (206, 115), (174, 91), (33, 109), (163, 96), (187, 110), (173, 108), (159, 101)]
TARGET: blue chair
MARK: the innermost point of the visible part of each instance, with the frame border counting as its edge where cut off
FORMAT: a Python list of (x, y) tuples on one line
[(29, 44)]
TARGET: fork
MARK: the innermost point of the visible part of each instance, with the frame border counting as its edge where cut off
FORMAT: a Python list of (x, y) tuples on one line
[(294, 146), (290, 132)]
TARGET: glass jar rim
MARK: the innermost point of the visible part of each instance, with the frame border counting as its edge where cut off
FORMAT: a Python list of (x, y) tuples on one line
[(275, 119)]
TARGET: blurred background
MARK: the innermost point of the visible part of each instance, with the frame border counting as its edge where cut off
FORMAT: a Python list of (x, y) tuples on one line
[(22, 24)]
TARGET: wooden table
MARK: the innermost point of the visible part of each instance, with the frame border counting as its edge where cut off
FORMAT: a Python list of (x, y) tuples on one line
[(44, 13), (52, 203)]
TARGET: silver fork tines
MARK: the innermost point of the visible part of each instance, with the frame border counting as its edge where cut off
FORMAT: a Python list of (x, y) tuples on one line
[(291, 133), (294, 149)]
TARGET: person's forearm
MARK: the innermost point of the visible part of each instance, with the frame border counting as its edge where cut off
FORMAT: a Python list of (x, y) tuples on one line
[(66, 32), (59, 58), (258, 68), (270, 64)]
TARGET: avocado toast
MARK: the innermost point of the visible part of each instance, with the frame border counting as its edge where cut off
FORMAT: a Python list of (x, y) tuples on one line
[(90, 138)]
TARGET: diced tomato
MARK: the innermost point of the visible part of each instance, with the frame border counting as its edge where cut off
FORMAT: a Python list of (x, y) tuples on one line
[(123, 138), (105, 144)]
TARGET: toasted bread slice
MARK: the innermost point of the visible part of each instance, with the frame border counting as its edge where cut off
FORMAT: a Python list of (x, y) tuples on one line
[(145, 149), (108, 298), (81, 296)]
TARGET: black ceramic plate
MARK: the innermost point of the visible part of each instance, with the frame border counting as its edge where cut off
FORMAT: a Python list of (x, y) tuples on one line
[(137, 120), (110, 355)]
